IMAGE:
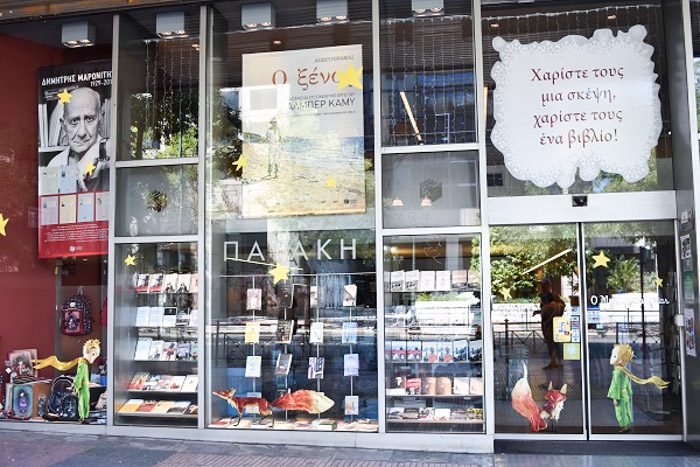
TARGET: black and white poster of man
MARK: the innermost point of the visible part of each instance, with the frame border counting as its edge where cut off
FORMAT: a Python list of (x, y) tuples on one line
[(74, 122)]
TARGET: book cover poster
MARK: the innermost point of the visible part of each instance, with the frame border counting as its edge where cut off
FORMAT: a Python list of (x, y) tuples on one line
[(73, 158), (303, 127)]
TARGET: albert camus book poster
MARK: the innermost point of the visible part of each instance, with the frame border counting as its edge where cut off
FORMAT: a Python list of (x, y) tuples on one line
[(303, 133)]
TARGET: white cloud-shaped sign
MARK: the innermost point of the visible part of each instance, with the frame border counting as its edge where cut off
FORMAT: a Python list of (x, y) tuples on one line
[(576, 104)]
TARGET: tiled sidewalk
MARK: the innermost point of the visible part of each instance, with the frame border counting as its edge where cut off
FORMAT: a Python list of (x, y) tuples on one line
[(40, 449)]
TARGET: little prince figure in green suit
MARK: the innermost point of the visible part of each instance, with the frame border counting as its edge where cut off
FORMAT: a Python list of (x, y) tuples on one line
[(81, 382), (621, 385)]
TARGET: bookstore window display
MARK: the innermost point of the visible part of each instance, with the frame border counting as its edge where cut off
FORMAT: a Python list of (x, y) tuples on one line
[(156, 316), (291, 328), (433, 322), (427, 73)]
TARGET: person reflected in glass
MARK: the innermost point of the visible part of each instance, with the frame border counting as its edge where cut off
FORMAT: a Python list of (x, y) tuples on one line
[(551, 306)]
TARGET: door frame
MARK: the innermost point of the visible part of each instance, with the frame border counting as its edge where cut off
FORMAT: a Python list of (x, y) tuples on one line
[(599, 207)]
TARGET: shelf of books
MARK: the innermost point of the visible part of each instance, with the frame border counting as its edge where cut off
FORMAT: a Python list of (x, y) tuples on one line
[(297, 354), (156, 336), (433, 348)]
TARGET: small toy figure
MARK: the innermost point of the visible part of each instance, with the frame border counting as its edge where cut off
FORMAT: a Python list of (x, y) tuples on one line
[(621, 387), (81, 382)]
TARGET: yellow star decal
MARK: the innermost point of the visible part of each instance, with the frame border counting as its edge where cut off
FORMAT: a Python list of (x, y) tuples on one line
[(279, 273), (349, 77), (130, 260), (241, 162), (659, 282), (600, 260), (3, 224), (64, 97), (90, 169), (505, 292), (331, 182)]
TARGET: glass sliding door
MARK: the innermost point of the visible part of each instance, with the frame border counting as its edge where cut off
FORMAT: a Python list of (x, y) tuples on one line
[(633, 343), (536, 324)]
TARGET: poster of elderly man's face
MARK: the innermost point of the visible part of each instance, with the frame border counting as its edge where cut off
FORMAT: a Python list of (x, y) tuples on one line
[(74, 122)]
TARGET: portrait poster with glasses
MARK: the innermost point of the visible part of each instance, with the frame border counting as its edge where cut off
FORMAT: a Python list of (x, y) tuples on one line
[(73, 156), (303, 133)]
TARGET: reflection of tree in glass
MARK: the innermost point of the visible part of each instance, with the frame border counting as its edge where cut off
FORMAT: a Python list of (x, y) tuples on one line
[(515, 250)]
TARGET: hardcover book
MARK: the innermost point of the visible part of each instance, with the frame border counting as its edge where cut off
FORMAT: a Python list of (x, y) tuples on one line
[(351, 364), (138, 381), (284, 363), (252, 332), (459, 279), (398, 281), (285, 294), (284, 332), (350, 295), (190, 384), (443, 281), (169, 283), (253, 300), (155, 316), (427, 281), (253, 366), (183, 283), (155, 352), (142, 283), (142, 313), (169, 317), (155, 283), (316, 335), (412, 279), (316, 367), (131, 406), (183, 351), (143, 346), (352, 405), (349, 335)]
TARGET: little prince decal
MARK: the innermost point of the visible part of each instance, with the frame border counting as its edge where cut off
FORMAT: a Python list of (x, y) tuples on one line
[(621, 386)]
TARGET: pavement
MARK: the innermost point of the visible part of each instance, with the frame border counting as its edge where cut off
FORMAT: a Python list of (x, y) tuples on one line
[(42, 449)]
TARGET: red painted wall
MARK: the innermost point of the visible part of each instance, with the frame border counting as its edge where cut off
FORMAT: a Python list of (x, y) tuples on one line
[(27, 285)]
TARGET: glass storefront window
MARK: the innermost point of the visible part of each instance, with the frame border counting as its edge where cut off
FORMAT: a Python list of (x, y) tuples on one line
[(427, 74), (552, 21), (291, 274), (430, 190), (159, 84), (155, 334), (156, 201), (434, 347)]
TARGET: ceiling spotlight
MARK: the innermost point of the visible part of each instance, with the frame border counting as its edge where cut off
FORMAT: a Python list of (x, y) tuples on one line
[(171, 25), (277, 42), (80, 34), (331, 11), (612, 17), (426, 202), (256, 16), (396, 202), (423, 8), (494, 25)]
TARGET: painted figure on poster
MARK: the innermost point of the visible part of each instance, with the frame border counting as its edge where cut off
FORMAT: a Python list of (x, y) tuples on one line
[(621, 385), (81, 381)]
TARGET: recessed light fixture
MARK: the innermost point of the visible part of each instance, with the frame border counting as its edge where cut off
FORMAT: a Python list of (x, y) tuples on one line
[(80, 34), (426, 202), (277, 42), (494, 25), (428, 7), (171, 25), (256, 16), (396, 202), (612, 17)]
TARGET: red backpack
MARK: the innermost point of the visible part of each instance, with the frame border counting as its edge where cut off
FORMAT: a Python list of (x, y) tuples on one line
[(75, 315)]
